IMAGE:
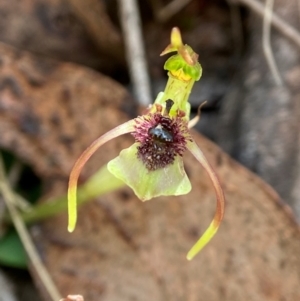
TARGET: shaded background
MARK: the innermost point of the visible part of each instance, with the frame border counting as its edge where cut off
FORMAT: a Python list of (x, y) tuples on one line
[(64, 80)]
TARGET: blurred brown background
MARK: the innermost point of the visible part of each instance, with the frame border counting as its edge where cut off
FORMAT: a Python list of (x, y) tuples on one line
[(64, 81)]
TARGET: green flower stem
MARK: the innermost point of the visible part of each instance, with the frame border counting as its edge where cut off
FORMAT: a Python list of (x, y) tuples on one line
[(100, 183), (179, 92)]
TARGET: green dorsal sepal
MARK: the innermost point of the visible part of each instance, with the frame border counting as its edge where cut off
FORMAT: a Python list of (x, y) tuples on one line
[(176, 64)]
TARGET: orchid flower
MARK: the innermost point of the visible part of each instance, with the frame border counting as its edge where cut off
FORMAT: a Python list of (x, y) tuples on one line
[(153, 165)]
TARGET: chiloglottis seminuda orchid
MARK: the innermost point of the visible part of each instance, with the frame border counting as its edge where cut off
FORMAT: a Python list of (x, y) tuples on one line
[(153, 165)]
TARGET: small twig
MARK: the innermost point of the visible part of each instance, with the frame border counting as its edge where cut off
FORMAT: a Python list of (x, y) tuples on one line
[(73, 298), (14, 173), (195, 120), (13, 177), (171, 9), (287, 30), (266, 41), (236, 27), (21, 202), (86, 192), (131, 25), (39, 267)]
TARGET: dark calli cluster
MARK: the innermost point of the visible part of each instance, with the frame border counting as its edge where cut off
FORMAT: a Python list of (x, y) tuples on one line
[(161, 139)]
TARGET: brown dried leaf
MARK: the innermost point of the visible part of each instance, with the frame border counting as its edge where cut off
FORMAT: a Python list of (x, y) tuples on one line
[(54, 28), (93, 15), (44, 106), (128, 250)]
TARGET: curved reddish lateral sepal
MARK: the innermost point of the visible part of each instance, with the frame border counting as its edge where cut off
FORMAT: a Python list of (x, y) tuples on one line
[(214, 225), (124, 128)]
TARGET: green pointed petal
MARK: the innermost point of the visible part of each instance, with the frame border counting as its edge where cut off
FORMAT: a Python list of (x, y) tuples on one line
[(176, 40), (219, 214), (171, 180), (122, 129)]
